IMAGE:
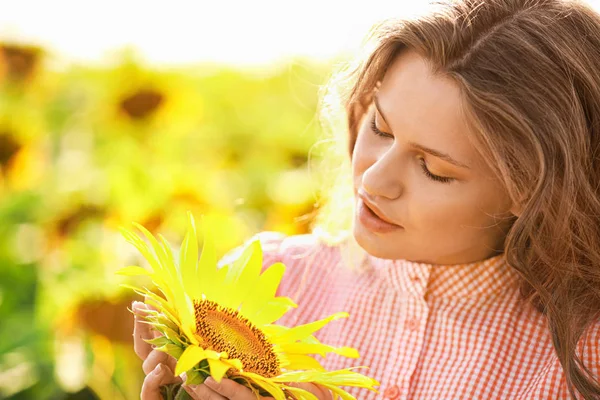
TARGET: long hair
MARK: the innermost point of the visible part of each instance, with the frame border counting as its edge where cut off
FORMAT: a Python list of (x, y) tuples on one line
[(529, 77)]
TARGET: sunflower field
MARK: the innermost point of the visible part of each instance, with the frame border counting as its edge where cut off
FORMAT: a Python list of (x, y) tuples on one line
[(85, 150)]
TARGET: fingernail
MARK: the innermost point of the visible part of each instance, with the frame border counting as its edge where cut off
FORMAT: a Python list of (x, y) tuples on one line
[(183, 376), (189, 388), (210, 381), (158, 370)]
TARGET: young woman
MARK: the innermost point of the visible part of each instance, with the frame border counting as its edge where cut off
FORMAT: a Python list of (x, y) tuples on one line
[(474, 137)]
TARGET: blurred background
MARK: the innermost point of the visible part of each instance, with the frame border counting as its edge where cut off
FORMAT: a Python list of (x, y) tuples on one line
[(126, 110)]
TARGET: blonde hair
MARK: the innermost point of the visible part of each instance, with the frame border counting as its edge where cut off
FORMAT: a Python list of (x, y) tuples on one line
[(529, 75)]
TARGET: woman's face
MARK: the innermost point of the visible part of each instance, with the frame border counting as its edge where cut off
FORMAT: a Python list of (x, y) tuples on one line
[(415, 166)]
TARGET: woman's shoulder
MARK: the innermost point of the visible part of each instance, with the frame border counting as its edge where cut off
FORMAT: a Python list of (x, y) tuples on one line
[(284, 248), (281, 247)]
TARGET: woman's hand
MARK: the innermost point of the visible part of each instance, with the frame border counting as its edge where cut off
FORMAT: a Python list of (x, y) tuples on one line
[(159, 366), (231, 390)]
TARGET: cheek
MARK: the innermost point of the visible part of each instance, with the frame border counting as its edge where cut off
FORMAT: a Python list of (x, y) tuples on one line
[(467, 210)]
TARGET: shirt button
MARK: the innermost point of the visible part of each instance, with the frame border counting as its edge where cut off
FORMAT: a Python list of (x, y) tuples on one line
[(391, 392), (412, 324)]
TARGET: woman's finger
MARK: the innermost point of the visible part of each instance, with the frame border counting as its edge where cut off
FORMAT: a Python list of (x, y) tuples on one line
[(231, 390), (156, 357), (203, 392), (161, 375), (141, 331)]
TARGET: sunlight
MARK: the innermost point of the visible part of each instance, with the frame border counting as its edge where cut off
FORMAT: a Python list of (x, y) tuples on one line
[(185, 32)]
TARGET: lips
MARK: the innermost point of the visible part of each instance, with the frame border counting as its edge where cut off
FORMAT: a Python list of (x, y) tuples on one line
[(375, 210)]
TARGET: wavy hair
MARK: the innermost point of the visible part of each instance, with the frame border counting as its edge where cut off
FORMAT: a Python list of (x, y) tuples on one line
[(529, 77)]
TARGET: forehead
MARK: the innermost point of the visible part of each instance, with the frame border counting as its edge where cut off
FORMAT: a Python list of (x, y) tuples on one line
[(424, 108)]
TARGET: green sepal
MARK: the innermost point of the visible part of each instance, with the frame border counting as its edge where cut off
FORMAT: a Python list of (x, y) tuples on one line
[(171, 349), (194, 377), (167, 322), (169, 333), (158, 342)]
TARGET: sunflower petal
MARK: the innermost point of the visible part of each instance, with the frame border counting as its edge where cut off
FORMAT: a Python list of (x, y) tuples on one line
[(218, 369), (273, 310), (339, 391), (263, 291), (300, 361), (302, 331), (242, 274), (191, 356), (267, 384), (317, 348), (301, 393), (206, 269), (188, 261)]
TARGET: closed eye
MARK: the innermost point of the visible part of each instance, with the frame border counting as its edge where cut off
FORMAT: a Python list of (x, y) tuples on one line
[(433, 177)]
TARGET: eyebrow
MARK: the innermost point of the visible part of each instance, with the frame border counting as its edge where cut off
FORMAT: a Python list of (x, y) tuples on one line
[(425, 149)]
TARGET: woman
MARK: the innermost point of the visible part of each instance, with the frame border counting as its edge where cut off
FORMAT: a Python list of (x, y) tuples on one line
[(474, 137)]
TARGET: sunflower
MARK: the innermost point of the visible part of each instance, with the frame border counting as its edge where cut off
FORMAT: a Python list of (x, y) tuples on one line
[(219, 322)]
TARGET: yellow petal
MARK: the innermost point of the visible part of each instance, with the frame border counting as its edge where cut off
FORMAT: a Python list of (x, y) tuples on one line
[(317, 348), (342, 377), (234, 362), (188, 260), (263, 291), (301, 393), (273, 310), (191, 356), (242, 274), (267, 384), (218, 369), (339, 391), (302, 331), (300, 361), (207, 271), (215, 355)]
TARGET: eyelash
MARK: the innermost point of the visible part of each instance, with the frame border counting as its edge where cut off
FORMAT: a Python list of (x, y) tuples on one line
[(431, 176)]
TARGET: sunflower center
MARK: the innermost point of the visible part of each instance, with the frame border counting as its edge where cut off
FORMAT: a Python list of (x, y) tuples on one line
[(224, 329)]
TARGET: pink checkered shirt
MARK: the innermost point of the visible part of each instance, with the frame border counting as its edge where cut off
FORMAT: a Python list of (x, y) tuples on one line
[(426, 331)]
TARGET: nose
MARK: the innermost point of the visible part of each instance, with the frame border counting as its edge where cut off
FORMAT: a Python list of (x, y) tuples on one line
[(383, 178)]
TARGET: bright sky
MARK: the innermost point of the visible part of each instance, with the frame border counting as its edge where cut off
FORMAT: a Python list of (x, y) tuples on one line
[(189, 31)]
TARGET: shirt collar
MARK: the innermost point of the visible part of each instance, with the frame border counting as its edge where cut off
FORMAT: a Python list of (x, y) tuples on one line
[(485, 278)]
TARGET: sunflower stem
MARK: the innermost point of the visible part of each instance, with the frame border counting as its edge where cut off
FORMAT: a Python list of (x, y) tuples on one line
[(183, 395), (174, 391)]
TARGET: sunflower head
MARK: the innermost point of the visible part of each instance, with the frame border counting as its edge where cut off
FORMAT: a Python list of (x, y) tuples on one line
[(220, 321)]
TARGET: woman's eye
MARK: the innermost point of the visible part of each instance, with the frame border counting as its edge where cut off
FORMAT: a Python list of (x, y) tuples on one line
[(428, 173), (377, 131), (431, 176)]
